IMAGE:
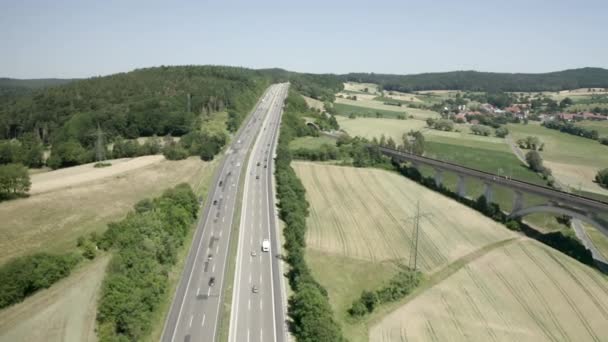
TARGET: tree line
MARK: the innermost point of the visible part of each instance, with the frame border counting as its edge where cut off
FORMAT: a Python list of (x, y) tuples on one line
[(402, 284), (311, 316), (487, 81), (24, 276), (145, 246)]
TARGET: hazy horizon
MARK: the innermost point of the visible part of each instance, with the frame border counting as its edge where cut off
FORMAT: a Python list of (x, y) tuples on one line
[(72, 39)]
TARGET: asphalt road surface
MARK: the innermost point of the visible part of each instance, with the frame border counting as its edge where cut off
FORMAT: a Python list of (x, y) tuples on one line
[(257, 307), (196, 306)]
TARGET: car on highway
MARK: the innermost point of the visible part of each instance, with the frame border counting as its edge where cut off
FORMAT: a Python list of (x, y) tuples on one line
[(257, 177), (211, 281), (253, 253), (210, 257), (221, 182), (214, 202), (259, 163), (265, 245), (254, 289)]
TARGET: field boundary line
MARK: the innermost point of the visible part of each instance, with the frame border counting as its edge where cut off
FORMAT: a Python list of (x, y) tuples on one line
[(436, 278)]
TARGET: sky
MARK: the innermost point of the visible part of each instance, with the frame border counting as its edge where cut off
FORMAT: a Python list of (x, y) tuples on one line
[(75, 39)]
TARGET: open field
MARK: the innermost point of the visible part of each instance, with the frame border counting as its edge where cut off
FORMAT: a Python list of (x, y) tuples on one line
[(572, 159), (314, 103), (343, 106), (600, 126), (364, 213), (311, 142), (375, 127), (71, 176), (360, 87), (52, 221), (63, 313), (523, 291), (489, 154)]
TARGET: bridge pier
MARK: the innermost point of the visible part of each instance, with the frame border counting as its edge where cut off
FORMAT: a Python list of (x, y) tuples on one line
[(462, 190), (518, 201), (487, 192), (438, 177)]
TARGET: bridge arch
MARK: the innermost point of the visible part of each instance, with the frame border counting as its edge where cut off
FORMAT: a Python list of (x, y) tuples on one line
[(547, 208)]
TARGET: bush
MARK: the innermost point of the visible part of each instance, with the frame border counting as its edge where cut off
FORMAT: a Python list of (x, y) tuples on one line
[(145, 244), (481, 130), (23, 276), (175, 152), (602, 177), (14, 181), (535, 161), (102, 164), (501, 132), (398, 287)]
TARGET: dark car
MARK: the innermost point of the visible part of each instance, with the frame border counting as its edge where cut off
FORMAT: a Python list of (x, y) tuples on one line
[(257, 177), (214, 202), (259, 163), (211, 281)]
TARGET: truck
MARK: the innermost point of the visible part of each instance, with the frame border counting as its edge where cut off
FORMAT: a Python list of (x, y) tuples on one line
[(265, 245)]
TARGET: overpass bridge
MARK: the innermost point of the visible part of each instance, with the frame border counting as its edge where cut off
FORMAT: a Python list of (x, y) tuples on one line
[(558, 202)]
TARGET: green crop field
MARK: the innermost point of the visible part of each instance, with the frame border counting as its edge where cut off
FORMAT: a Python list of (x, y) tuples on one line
[(482, 282), (375, 127), (311, 142), (573, 160), (367, 106), (600, 126)]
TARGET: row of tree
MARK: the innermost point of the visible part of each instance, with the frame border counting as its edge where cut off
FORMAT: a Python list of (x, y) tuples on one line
[(309, 309), (145, 246), (402, 284), (567, 127), (23, 276), (488, 81)]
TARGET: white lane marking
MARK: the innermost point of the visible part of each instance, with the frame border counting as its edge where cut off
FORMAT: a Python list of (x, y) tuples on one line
[(208, 292), (261, 305), (221, 231), (234, 313), (250, 278), (261, 334), (249, 305), (203, 322), (274, 323), (193, 265), (217, 248), (261, 281), (213, 269), (223, 218), (198, 291), (191, 318)]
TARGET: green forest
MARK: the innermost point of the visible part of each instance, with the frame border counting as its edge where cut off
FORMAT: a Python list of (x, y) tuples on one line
[(69, 117), (488, 81)]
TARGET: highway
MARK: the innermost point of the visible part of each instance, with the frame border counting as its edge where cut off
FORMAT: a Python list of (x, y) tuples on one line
[(195, 309), (258, 314)]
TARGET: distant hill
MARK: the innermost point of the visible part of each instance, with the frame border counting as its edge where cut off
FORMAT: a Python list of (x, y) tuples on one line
[(12, 87), (488, 81), (32, 83)]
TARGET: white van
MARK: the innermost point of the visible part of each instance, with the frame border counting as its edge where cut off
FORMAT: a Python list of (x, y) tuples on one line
[(265, 245)]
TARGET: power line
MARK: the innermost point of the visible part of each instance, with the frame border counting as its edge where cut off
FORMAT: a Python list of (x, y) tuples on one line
[(413, 261)]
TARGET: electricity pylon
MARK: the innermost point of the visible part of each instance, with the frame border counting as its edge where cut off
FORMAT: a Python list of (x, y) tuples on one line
[(413, 262)]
